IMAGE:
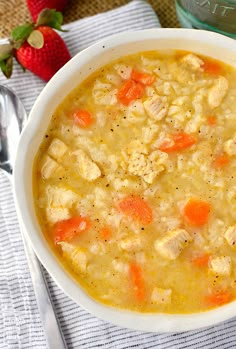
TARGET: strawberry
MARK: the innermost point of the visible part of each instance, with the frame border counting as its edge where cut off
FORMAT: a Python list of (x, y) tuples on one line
[(36, 6), (37, 47), (46, 61)]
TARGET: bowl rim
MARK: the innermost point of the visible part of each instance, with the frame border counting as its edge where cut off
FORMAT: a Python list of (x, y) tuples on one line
[(157, 322)]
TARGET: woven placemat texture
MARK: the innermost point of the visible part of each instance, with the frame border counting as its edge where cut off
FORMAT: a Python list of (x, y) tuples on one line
[(14, 12)]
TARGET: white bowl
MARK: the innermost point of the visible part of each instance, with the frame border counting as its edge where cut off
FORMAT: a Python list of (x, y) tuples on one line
[(75, 71)]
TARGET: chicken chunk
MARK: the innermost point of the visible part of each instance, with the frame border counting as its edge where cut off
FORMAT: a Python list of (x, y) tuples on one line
[(60, 197), (230, 235), (141, 163), (193, 62), (217, 92), (56, 214), (221, 265), (76, 255), (156, 107), (114, 79), (86, 167), (50, 168), (104, 93), (124, 71), (135, 112), (173, 243), (147, 167), (161, 295), (57, 149), (230, 146), (131, 244)]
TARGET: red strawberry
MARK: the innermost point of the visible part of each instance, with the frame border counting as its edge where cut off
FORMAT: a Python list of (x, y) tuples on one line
[(36, 46), (46, 61), (36, 6)]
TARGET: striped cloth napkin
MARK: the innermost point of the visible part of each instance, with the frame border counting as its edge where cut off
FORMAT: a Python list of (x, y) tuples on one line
[(20, 324)]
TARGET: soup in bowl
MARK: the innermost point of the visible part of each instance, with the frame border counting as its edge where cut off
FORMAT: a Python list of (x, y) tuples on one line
[(131, 153)]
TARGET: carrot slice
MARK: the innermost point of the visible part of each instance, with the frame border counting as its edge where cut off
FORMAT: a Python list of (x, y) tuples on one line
[(136, 208), (196, 212), (218, 298), (67, 229), (201, 260), (143, 78), (105, 233), (82, 118), (212, 67), (130, 91), (211, 120), (221, 161), (178, 141), (137, 281)]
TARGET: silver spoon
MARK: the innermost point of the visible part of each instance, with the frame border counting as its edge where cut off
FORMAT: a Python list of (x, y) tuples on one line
[(12, 120)]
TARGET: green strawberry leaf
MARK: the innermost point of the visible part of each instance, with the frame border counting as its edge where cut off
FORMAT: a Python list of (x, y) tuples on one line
[(51, 18), (22, 32), (6, 67), (6, 51)]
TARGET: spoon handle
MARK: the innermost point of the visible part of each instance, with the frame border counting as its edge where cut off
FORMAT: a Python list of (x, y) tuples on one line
[(53, 333)]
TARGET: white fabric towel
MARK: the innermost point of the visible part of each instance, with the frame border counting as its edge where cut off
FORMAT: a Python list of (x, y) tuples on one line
[(20, 324)]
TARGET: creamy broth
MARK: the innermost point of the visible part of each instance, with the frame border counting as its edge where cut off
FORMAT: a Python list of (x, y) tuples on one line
[(135, 184)]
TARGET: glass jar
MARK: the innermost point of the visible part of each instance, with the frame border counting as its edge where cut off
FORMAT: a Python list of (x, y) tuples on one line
[(214, 15)]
